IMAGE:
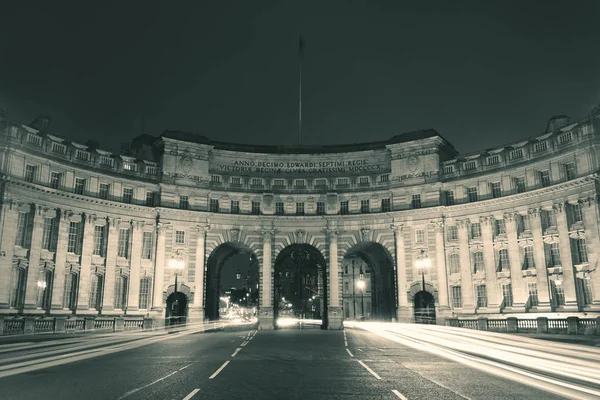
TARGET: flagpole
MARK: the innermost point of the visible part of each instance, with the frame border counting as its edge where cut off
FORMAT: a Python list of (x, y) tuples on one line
[(300, 51)]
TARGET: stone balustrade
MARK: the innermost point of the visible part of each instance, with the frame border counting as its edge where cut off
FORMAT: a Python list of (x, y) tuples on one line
[(32, 325), (569, 325)]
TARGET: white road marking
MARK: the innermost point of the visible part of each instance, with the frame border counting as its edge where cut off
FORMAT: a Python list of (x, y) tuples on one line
[(397, 393), (369, 369), (245, 343), (151, 383), (351, 355), (192, 393), (219, 370), (236, 351), (359, 349), (345, 343)]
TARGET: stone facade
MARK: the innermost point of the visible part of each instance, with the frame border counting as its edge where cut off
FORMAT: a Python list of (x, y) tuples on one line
[(509, 230)]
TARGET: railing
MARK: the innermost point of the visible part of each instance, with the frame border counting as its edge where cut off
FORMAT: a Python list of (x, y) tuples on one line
[(32, 325), (570, 325)]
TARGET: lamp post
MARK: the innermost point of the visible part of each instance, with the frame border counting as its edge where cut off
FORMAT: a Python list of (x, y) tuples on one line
[(353, 289), (361, 285), (423, 262), (42, 292), (177, 264)]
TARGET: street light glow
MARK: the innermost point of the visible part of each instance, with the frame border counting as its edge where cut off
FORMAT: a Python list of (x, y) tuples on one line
[(361, 284)]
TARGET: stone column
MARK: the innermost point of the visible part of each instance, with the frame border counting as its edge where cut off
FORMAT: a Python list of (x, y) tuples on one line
[(58, 287), (33, 270), (334, 314), (519, 286), (540, 261), (83, 298), (591, 219), (466, 284), (442, 276), (159, 269), (9, 235), (265, 319), (491, 285), (566, 259), (403, 313), (133, 298), (108, 298), (197, 312)]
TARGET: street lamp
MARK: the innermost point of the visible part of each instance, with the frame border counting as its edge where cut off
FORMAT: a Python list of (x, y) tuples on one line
[(423, 262), (361, 285), (177, 264)]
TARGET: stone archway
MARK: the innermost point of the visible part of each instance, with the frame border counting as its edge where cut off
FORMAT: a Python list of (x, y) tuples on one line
[(424, 300), (300, 284)]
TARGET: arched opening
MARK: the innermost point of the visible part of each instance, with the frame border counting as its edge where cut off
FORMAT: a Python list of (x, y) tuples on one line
[(232, 280), (368, 288), (300, 284), (177, 308), (424, 308)]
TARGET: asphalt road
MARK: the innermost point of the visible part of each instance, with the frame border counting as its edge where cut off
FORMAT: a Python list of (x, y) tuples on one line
[(285, 364)]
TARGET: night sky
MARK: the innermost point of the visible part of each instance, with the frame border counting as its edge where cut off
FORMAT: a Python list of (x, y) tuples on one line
[(482, 73)]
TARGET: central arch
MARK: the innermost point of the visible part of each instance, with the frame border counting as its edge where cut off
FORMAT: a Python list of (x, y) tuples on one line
[(300, 284)]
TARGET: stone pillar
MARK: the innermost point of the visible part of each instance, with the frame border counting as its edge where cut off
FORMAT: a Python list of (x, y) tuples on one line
[(566, 259), (540, 262), (491, 281), (196, 314), (159, 269), (334, 312), (468, 305), (519, 286), (33, 270), (133, 298), (265, 318), (85, 277), (442, 276), (108, 297), (591, 219), (403, 312), (9, 235), (58, 288)]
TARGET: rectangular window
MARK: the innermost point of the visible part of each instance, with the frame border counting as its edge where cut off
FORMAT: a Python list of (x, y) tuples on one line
[(95, 292), (30, 172), (500, 226), (120, 292), (123, 248), (55, 180), (416, 201), (448, 169), (565, 138), (364, 206), (74, 238), (279, 209), (363, 180), (147, 246), (540, 146), (503, 262), (386, 205), (533, 294), (520, 184), (103, 191), (448, 197), (528, 261), (384, 178), (48, 234), (586, 288), (79, 186), (279, 183), (144, 293), (22, 222), (300, 183), (299, 208), (235, 206), (496, 190), (321, 183), (215, 178), (256, 182), (346, 287), (570, 171), (214, 205), (475, 230), (472, 194), (545, 178), (320, 208), (559, 293), (420, 236), (70, 293), (581, 254), (548, 219), (179, 237), (478, 264), (456, 295), (235, 180), (149, 199), (344, 207), (507, 295), (576, 213), (454, 262), (452, 233), (343, 181), (127, 195), (470, 165), (555, 255), (256, 208), (184, 202), (98, 241), (481, 296), (516, 154)]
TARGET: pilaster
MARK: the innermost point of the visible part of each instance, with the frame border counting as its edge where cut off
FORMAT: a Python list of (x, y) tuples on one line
[(58, 287), (85, 276), (33, 270), (591, 221), (566, 259), (519, 286), (265, 319), (540, 262), (404, 314), (108, 297), (491, 281), (9, 235), (159, 268), (442, 276), (196, 314), (133, 298), (468, 304), (334, 312)]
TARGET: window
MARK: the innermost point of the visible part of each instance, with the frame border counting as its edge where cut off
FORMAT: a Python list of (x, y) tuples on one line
[(70, 293), (586, 290), (496, 190), (533, 294), (565, 138), (478, 264), (235, 180), (256, 208), (493, 160), (320, 208), (299, 208), (214, 205), (147, 246), (215, 179), (279, 183), (22, 222), (98, 241), (503, 262), (184, 202), (456, 296), (106, 161), (540, 146), (416, 201), (528, 261), (343, 181), (553, 254), (73, 243), (48, 234), (144, 293), (420, 236), (346, 287), (363, 180), (179, 237), (386, 205), (79, 186), (475, 230), (344, 207), (454, 262), (235, 206), (55, 180), (448, 197), (364, 206), (127, 195), (95, 292), (545, 178), (120, 292), (481, 296), (300, 183), (470, 165), (520, 184), (17, 287), (123, 248), (103, 191), (448, 169), (384, 178), (256, 182), (559, 293), (150, 199), (59, 148), (279, 209), (500, 226), (516, 154), (321, 182), (452, 233), (580, 254), (575, 213), (507, 295), (82, 155), (30, 172), (569, 171), (129, 167), (548, 219), (472, 194)]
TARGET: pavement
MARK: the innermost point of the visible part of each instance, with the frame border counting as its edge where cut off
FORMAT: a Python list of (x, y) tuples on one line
[(249, 364)]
